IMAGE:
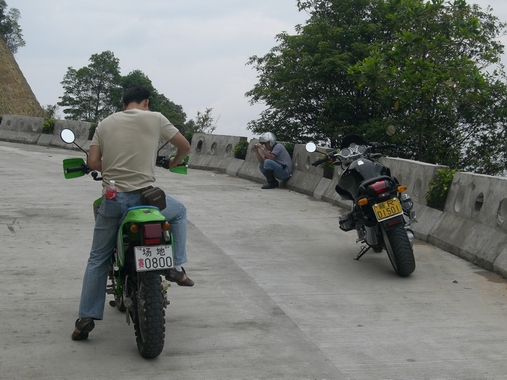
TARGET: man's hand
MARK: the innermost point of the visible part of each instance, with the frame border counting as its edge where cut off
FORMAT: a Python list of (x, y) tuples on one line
[(173, 163), (163, 161), (183, 147)]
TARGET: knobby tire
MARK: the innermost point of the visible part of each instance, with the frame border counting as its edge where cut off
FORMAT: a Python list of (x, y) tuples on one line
[(149, 318)]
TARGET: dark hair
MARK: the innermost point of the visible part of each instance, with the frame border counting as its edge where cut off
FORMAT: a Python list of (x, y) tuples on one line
[(136, 94)]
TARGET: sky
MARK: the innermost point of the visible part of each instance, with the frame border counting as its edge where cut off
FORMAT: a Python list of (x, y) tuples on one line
[(195, 52)]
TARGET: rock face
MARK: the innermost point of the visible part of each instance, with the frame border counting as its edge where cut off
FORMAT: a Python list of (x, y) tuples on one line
[(16, 96)]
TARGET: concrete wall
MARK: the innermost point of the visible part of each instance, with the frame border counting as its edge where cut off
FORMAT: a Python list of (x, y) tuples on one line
[(22, 129), (214, 152), (473, 224)]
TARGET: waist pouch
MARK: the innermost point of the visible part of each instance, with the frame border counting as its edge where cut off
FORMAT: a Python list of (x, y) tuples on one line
[(154, 197)]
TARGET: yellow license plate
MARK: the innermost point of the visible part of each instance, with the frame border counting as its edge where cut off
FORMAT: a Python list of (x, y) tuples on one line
[(387, 209)]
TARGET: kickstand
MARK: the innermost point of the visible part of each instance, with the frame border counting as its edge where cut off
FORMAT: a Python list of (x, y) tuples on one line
[(363, 250)]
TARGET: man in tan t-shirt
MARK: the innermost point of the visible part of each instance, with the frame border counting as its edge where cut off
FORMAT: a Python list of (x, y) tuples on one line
[(124, 149)]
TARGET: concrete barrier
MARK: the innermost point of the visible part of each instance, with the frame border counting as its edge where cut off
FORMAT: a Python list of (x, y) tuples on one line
[(80, 128), (305, 177), (416, 176), (249, 168), (21, 129), (473, 224), (214, 152)]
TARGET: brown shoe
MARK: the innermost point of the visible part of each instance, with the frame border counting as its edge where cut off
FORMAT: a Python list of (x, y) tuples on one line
[(180, 278), (83, 327)]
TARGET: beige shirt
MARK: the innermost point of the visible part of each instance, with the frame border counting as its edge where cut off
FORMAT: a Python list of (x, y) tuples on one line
[(128, 142)]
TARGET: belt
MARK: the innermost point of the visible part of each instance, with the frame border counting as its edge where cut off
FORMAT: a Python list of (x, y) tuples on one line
[(140, 191)]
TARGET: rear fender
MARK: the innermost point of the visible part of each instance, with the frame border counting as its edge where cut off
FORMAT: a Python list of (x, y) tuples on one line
[(392, 223), (134, 215)]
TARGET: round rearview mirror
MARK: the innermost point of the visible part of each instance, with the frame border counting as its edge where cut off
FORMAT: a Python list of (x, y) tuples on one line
[(67, 136), (390, 130), (311, 147)]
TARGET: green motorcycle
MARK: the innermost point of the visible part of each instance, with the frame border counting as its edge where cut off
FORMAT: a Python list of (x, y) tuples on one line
[(144, 252)]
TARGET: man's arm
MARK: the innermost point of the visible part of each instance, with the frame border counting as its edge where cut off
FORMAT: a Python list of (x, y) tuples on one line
[(183, 147), (258, 149), (95, 158)]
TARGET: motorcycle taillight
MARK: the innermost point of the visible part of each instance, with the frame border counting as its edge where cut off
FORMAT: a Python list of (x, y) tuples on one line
[(379, 187), (152, 233)]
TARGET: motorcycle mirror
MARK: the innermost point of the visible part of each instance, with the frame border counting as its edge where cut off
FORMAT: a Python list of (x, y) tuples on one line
[(67, 136), (311, 147), (390, 130)]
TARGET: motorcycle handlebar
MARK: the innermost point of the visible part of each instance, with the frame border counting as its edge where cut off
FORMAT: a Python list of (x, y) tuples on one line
[(376, 146), (82, 168), (318, 162), (163, 161), (388, 146), (321, 161)]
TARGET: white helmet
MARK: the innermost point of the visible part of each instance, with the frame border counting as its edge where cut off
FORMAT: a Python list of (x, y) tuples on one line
[(268, 137)]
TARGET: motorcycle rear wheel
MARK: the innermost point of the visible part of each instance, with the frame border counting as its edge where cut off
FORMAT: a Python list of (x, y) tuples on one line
[(149, 314), (399, 250)]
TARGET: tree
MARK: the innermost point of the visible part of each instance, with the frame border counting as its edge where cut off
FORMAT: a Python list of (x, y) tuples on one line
[(92, 92), (203, 123), (304, 81), (51, 111), (9, 27), (158, 102), (95, 91), (358, 66), (429, 72)]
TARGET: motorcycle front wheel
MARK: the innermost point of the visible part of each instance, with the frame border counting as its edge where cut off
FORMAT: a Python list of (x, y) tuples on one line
[(399, 250), (149, 314)]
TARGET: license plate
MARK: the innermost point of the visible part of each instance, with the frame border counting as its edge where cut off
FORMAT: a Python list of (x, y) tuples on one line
[(387, 209), (155, 257)]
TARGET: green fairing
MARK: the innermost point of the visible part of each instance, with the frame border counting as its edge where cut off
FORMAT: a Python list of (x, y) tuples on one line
[(72, 163), (143, 215)]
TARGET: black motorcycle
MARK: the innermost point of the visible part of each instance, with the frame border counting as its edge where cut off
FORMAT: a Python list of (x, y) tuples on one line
[(381, 210)]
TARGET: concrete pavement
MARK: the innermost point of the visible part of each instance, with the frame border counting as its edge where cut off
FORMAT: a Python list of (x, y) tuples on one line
[(277, 295)]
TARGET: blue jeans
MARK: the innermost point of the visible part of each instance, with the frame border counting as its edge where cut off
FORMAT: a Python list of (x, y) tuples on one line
[(280, 172), (110, 213)]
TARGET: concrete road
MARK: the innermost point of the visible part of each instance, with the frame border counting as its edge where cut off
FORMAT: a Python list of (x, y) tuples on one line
[(277, 295)]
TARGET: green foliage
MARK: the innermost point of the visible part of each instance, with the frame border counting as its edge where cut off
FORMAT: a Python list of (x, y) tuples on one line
[(91, 131), (48, 126), (304, 80), (204, 123), (92, 92), (290, 148), (328, 169), (9, 27), (158, 102), (428, 71), (357, 66), (438, 188), (51, 112), (240, 149)]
